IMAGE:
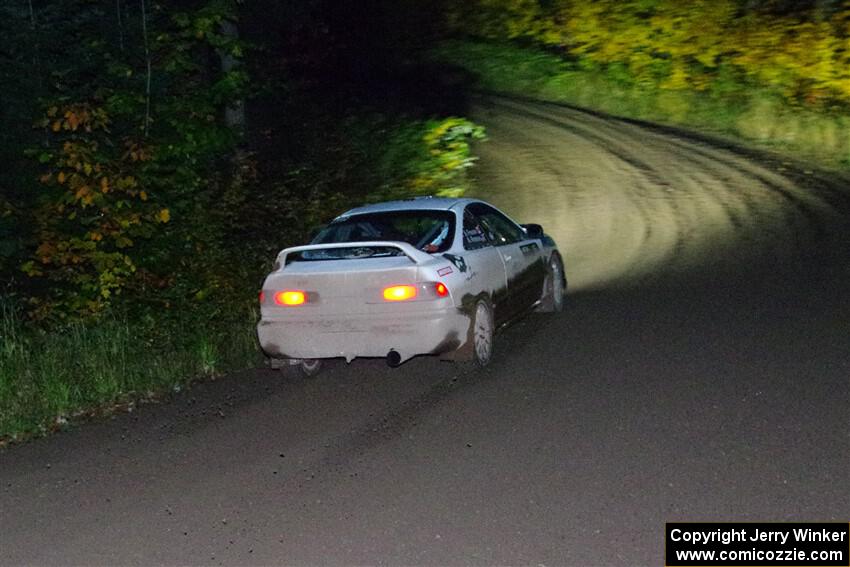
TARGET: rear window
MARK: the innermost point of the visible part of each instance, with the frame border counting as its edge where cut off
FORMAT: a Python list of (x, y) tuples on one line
[(344, 254), (429, 231)]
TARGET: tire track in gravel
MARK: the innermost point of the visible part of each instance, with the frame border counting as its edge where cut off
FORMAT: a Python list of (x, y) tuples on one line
[(803, 205), (625, 201), (689, 394)]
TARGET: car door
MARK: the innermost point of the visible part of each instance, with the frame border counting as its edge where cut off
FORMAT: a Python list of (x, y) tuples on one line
[(522, 256), (484, 264)]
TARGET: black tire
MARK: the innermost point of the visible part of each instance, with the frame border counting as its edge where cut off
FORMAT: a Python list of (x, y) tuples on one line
[(554, 287), (482, 333), (311, 367)]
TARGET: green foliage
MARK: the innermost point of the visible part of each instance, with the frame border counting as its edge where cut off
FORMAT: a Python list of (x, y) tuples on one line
[(430, 158), (444, 171), (500, 66), (512, 19), (129, 152), (774, 72), (94, 209), (802, 56), (758, 115), (48, 378), (138, 225)]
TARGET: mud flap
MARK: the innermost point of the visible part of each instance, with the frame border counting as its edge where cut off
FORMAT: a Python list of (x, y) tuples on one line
[(464, 353)]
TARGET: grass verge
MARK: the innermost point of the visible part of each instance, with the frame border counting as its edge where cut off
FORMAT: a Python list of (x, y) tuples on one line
[(739, 111), (49, 378)]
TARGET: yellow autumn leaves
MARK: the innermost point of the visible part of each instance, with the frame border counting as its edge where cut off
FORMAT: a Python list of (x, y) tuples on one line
[(685, 45), (95, 207), (80, 116)]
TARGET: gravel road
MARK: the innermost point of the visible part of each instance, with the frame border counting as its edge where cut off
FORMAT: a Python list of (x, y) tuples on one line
[(699, 373)]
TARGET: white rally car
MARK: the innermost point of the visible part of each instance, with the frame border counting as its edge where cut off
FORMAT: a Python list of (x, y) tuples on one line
[(399, 279)]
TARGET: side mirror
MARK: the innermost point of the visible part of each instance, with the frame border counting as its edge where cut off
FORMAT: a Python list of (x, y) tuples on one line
[(533, 230)]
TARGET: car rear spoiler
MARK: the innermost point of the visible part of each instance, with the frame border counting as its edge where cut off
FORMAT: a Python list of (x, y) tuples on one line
[(416, 256)]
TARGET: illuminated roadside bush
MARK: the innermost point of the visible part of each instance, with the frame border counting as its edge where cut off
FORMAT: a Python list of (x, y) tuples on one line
[(429, 158), (444, 171)]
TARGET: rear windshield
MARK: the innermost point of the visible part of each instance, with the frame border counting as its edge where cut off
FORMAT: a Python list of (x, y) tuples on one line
[(429, 231), (344, 254)]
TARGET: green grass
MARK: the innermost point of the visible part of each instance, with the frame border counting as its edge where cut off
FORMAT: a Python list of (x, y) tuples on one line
[(47, 378), (736, 110)]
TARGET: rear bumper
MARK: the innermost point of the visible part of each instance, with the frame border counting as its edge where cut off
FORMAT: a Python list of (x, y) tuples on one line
[(364, 335)]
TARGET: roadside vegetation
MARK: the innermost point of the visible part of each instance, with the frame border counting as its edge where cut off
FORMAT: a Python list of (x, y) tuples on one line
[(772, 72), (156, 157)]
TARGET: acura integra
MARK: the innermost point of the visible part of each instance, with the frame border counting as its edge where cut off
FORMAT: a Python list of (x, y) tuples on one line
[(433, 276)]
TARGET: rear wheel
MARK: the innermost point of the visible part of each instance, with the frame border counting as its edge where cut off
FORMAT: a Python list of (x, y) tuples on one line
[(483, 330), (310, 367), (291, 366)]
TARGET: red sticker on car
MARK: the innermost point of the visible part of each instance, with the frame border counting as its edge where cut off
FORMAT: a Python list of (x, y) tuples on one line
[(444, 271)]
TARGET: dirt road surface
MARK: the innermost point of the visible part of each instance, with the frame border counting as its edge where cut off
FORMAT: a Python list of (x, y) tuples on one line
[(701, 372)]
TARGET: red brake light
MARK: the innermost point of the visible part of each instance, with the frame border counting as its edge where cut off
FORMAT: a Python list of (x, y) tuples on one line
[(290, 298), (442, 290), (399, 292), (262, 296)]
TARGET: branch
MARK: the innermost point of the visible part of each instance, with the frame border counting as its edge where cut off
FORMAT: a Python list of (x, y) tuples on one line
[(120, 24), (148, 66)]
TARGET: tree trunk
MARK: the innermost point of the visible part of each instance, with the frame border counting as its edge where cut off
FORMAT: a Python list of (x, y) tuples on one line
[(118, 9), (234, 114)]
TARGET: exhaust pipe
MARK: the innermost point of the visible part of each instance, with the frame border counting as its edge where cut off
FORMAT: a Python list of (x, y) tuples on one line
[(393, 359)]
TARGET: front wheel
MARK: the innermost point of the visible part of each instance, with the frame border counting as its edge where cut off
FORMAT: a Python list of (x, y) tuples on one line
[(483, 330), (554, 287)]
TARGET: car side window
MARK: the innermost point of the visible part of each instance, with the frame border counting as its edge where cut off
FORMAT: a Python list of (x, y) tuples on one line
[(502, 229), (474, 236)]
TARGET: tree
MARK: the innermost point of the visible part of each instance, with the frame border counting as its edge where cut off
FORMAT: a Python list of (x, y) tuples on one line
[(137, 122)]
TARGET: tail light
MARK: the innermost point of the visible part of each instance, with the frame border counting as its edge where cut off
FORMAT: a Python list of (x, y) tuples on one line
[(290, 298), (399, 292), (419, 292)]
